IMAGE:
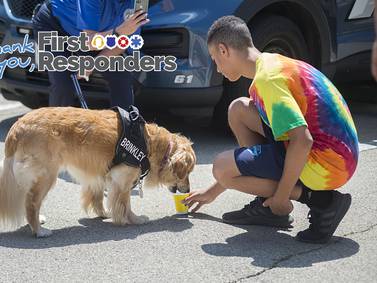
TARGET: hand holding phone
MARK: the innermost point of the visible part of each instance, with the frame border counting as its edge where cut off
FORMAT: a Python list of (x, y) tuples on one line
[(132, 23)]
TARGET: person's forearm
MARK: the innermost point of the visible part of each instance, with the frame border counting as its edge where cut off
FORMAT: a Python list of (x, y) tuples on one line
[(295, 160), (216, 189), (91, 33)]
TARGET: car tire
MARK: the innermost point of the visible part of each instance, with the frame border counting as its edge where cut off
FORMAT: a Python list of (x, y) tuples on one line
[(274, 34)]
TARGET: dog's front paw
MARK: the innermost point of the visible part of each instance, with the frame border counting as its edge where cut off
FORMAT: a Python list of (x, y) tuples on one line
[(43, 233), (138, 220), (103, 214)]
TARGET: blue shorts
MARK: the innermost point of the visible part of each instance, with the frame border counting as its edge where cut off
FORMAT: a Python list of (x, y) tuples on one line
[(264, 160)]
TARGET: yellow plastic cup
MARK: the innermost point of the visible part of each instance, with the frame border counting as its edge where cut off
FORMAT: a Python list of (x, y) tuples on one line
[(180, 208)]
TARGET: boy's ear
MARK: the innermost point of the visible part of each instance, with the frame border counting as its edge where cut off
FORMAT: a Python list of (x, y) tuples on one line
[(223, 49)]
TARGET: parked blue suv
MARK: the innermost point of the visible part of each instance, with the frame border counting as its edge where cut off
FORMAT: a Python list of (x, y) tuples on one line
[(335, 36)]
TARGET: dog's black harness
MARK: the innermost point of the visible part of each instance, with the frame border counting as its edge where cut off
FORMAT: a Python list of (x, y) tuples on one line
[(131, 148)]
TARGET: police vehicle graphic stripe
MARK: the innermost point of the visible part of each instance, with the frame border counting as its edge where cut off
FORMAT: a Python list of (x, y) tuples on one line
[(362, 9)]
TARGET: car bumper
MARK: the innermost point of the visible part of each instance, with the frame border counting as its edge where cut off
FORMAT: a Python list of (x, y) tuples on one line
[(19, 90)]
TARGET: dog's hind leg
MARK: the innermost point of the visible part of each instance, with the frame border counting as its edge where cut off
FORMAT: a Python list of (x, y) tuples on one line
[(34, 200), (92, 199)]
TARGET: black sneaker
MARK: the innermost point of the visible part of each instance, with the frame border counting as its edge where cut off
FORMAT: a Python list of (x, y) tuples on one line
[(323, 222), (255, 213)]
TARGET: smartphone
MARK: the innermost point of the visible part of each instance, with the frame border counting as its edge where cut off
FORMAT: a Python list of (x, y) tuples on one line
[(141, 5)]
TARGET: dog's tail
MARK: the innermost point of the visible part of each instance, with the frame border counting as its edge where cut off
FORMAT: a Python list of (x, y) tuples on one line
[(12, 197)]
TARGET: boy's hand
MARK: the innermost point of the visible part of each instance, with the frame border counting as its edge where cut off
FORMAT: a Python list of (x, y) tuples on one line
[(200, 197), (279, 206)]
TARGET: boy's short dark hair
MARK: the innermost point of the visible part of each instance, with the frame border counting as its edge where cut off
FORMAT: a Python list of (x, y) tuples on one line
[(230, 31)]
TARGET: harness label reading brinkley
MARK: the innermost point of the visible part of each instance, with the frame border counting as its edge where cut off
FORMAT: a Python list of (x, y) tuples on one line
[(133, 150)]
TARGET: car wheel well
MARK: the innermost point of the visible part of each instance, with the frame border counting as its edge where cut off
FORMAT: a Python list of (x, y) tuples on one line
[(303, 20)]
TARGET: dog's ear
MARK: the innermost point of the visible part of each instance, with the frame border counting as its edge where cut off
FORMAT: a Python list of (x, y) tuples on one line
[(183, 162), (150, 131), (179, 164)]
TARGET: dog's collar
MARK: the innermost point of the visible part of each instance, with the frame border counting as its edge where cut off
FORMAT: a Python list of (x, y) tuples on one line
[(166, 157)]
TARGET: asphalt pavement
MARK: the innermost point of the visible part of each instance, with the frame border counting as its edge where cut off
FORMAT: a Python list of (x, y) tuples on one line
[(194, 248)]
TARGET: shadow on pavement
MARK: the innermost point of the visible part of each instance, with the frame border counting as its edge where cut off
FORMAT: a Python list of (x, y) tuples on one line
[(270, 247), (92, 230), (203, 216)]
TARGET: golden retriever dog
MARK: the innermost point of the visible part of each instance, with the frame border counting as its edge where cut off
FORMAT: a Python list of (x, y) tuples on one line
[(48, 140)]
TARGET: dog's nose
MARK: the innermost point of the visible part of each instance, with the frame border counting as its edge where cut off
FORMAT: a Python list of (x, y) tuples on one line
[(173, 189), (184, 190)]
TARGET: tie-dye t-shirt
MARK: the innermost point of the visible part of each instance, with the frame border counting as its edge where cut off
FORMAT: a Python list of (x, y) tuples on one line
[(290, 93)]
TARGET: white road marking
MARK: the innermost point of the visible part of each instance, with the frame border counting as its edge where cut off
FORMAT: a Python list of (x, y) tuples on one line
[(364, 146), (10, 106)]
